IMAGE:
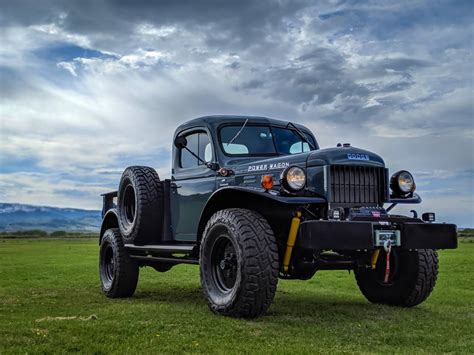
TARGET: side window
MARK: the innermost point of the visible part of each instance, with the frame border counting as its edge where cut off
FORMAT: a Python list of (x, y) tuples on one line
[(187, 159), (200, 144), (300, 147)]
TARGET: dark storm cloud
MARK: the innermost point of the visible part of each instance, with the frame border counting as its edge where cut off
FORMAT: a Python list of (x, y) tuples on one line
[(314, 78), (225, 23)]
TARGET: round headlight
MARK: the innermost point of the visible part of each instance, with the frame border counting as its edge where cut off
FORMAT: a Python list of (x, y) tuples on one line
[(294, 178), (402, 182)]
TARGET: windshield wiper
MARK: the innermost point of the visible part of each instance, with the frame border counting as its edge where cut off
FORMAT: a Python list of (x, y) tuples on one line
[(302, 135), (238, 133)]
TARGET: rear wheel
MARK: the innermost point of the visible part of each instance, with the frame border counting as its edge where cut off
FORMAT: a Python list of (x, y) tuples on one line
[(239, 263), (118, 273), (412, 278)]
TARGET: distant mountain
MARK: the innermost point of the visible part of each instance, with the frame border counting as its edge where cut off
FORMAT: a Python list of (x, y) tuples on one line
[(19, 217)]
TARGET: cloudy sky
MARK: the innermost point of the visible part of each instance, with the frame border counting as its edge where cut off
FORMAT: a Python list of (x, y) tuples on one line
[(89, 87)]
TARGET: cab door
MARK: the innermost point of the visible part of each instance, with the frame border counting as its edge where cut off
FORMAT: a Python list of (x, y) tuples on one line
[(192, 183)]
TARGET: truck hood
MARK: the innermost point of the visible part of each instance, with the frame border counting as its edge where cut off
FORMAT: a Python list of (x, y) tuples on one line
[(329, 156), (344, 155)]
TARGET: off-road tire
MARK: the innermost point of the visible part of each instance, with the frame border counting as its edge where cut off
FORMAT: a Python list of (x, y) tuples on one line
[(118, 273), (413, 283), (140, 205), (256, 259)]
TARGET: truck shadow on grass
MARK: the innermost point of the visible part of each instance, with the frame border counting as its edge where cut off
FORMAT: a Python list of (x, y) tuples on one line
[(324, 308), (313, 307), (183, 296)]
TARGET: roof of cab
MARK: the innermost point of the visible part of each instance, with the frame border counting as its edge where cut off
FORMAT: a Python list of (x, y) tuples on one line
[(216, 120)]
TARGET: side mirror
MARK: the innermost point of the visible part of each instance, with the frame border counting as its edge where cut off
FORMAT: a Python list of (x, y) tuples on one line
[(180, 142)]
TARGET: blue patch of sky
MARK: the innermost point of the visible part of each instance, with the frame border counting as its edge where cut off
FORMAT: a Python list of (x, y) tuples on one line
[(108, 175), (84, 176), (387, 24), (437, 14), (158, 158), (458, 184), (10, 164), (353, 22), (329, 15), (64, 52), (73, 193)]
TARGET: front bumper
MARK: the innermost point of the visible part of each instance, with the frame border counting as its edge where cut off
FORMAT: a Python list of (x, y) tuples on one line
[(360, 235)]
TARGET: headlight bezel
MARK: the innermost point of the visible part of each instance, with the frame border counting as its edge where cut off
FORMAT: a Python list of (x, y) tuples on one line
[(396, 183), (289, 184)]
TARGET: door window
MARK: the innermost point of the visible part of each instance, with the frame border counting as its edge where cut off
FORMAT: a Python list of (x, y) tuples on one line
[(200, 144)]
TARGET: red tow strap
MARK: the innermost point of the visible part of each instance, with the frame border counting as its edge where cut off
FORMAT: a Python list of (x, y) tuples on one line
[(387, 266)]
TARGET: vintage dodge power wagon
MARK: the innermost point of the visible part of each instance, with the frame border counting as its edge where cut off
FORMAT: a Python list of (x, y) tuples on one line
[(252, 200)]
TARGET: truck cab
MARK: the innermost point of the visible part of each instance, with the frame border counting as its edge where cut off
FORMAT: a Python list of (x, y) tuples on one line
[(254, 199), (193, 182)]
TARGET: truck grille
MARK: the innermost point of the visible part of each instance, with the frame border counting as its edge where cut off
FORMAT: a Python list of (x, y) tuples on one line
[(358, 185)]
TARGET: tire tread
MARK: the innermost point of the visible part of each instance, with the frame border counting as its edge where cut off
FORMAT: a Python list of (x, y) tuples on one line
[(259, 262), (422, 282), (149, 192), (127, 270)]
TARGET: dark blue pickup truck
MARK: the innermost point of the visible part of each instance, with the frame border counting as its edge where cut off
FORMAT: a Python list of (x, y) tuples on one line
[(252, 200)]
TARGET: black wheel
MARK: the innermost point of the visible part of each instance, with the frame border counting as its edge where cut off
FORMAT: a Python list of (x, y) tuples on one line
[(140, 205), (118, 273), (412, 278), (239, 263)]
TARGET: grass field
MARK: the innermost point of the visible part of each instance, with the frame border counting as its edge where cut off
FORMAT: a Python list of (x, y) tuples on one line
[(50, 301)]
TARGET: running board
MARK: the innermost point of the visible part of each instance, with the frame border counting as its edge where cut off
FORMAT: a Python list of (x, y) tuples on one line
[(152, 259), (163, 248)]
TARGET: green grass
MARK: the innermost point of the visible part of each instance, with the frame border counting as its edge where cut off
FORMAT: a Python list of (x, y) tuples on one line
[(41, 280)]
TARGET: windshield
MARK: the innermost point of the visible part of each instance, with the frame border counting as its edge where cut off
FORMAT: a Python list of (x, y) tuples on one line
[(263, 140)]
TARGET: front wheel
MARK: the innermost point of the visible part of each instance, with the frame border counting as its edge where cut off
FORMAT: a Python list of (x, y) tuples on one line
[(412, 278), (239, 263), (118, 273)]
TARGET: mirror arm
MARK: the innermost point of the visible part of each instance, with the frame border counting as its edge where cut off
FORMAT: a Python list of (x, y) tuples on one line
[(212, 166), (195, 155)]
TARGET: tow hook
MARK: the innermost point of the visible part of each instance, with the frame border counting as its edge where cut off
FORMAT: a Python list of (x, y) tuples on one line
[(295, 225), (388, 249)]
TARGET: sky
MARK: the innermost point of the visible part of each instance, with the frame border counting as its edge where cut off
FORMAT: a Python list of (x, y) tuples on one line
[(89, 87)]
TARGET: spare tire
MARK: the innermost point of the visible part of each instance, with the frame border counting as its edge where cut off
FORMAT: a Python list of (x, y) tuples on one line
[(140, 205)]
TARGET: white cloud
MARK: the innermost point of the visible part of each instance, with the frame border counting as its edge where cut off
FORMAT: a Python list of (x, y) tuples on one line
[(57, 33), (69, 66), (150, 30)]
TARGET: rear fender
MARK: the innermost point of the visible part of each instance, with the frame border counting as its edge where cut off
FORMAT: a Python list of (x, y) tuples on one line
[(110, 221)]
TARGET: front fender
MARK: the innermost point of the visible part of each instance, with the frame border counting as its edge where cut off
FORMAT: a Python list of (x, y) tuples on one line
[(295, 200), (250, 198)]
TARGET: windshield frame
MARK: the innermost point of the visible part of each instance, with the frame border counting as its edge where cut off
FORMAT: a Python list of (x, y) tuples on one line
[(270, 126)]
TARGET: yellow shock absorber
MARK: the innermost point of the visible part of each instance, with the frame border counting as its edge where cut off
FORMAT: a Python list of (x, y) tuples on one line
[(375, 257), (295, 225)]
